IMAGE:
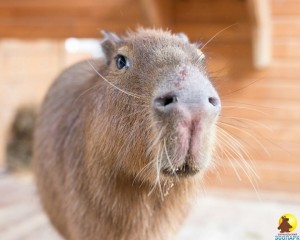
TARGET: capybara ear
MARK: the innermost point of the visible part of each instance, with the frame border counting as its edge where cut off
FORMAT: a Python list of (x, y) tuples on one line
[(183, 37), (108, 44)]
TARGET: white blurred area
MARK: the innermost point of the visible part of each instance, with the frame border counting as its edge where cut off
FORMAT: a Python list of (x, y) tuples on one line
[(84, 45)]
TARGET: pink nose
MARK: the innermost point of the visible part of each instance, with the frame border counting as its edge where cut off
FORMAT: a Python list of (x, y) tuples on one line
[(166, 103)]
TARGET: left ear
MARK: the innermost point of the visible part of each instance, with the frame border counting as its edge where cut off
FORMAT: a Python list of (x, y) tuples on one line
[(108, 44)]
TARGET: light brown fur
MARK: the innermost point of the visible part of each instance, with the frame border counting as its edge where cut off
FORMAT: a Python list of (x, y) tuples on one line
[(97, 149)]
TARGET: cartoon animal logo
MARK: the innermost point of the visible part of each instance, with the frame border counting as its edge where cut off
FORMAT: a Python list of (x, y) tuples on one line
[(284, 225), (287, 223)]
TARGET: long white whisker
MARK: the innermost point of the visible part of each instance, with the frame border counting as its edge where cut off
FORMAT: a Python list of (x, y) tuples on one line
[(242, 120), (249, 134), (243, 163), (157, 180), (84, 92), (169, 160), (111, 84), (158, 174), (143, 170), (218, 33), (248, 108), (237, 147), (229, 155), (249, 104)]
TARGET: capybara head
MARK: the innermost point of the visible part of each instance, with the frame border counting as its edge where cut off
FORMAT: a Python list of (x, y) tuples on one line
[(160, 107)]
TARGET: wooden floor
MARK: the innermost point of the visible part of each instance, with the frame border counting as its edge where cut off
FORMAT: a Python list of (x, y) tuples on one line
[(21, 217), (218, 215)]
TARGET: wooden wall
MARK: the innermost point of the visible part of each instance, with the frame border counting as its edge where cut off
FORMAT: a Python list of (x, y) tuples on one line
[(261, 109), (201, 20), (271, 104), (61, 19)]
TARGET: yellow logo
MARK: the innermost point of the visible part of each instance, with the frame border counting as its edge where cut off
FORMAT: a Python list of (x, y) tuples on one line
[(287, 223)]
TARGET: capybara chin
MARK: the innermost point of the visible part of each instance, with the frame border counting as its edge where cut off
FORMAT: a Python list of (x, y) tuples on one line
[(121, 142)]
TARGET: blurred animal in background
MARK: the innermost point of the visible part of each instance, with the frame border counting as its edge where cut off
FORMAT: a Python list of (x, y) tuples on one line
[(20, 139)]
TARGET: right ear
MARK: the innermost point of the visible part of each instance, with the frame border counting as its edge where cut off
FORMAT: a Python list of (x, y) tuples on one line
[(183, 37), (108, 44)]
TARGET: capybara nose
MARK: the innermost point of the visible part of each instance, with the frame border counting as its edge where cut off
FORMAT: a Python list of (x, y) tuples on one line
[(170, 102)]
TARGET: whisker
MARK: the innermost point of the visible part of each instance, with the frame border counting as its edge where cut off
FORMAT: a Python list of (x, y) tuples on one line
[(248, 108), (249, 176), (143, 170), (252, 180), (234, 168), (155, 142), (157, 180), (247, 133), (228, 156), (111, 84), (244, 165), (84, 92), (218, 33), (237, 147), (158, 174), (243, 120), (249, 104), (258, 124), (240, 89), (169, 160)]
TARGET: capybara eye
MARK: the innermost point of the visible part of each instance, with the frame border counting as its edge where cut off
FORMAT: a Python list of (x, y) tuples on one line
[(121, 62)]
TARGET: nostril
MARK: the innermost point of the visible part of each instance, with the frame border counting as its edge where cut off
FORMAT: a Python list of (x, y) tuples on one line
[(169, 100), (213, 101), (165, 100)]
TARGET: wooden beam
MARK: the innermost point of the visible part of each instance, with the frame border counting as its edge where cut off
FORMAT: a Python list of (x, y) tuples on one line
[(158, 13), (260, 16), (61, 19)]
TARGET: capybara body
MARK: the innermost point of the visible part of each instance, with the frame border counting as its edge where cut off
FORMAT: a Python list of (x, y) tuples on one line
[(122, 142)]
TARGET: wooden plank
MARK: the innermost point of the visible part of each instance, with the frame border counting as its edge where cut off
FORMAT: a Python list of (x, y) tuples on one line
[(286, 7), (60, 29), (270, 178), (246, 130), (280, 68), (289, 48), (210, 11), (279, 92), (256, 109), (254, 83), (258, 155), (158, 13), (206, 31), (286, 27), (58, 3), (230, 51), (46, 12), (100, 11), (63, 20)]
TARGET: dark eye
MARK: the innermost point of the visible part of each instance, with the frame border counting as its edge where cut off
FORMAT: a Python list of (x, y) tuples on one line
[(121, 62)]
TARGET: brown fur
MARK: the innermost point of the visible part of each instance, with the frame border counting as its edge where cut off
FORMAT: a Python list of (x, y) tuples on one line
[(96, 147)]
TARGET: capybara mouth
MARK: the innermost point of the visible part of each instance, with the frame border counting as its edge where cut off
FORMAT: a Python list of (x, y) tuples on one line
[(188, 151), (185, 170)]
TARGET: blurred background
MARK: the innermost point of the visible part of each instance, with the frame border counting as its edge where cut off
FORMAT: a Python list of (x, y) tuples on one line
[(252, 49)]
